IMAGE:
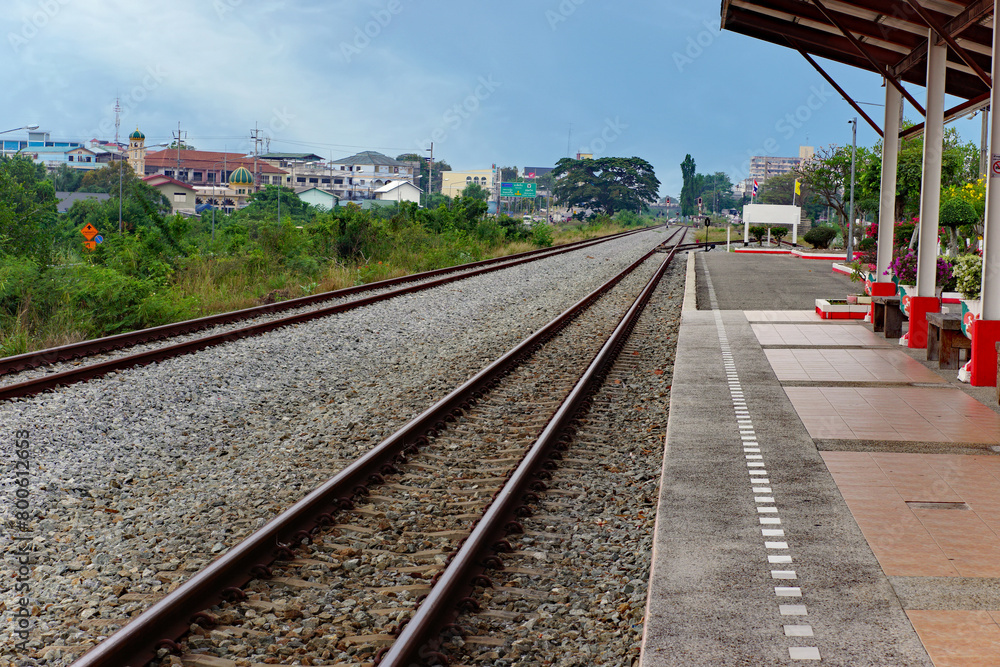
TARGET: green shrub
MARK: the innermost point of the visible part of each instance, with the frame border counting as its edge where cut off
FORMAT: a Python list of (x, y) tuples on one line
[(541, 234), (757, 233), (18, 277), (628, 219), (820, 237), (778, 233)]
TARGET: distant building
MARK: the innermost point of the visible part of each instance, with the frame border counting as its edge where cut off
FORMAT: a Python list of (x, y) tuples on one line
[(137, 151), (303, 170), (199, 168), (67, 199), (398, 191), (359, 176), (182, 197), (453, 182), (763, 167), (320, 199), (227, 196), (536, 172), (36, 140)]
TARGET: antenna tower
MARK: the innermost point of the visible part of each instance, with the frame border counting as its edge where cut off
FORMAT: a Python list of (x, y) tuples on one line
[(118, 121)]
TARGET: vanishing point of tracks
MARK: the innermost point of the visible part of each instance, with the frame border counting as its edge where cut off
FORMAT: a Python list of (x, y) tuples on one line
[(304, 307), (412, 530)]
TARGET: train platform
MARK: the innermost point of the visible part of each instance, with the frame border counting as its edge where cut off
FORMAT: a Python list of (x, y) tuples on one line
[(827, 495)]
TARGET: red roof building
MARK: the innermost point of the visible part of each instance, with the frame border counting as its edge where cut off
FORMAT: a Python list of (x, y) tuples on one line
[(203, 168)]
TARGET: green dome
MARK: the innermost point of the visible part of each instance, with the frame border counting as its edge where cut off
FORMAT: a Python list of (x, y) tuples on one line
[(137, 134), (241, 177)]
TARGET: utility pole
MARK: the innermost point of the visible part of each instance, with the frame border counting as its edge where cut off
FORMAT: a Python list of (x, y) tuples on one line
[(849, 241), (178, 138), (118, 120), (118, 148), (430, 175), (255, 135)]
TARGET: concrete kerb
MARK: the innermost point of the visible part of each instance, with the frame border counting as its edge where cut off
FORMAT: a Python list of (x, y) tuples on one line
[(690, 287)]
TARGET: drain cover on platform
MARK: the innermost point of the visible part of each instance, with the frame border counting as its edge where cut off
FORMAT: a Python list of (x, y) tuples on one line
[(916, 505)]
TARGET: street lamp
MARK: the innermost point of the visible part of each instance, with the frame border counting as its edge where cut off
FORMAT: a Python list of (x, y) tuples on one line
[(849, 243), (23, 127)]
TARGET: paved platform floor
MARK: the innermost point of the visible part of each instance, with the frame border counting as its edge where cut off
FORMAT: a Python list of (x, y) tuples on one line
[(828, 496)]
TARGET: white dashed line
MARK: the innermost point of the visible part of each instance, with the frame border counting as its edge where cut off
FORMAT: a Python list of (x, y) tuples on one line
[(765, 504)]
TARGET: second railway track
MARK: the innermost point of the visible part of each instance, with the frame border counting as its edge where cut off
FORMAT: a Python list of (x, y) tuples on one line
[(34, 372)]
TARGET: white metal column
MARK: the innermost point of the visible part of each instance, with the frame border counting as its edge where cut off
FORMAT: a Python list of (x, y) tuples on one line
[(990, 296), (930, 183), (887, 201)]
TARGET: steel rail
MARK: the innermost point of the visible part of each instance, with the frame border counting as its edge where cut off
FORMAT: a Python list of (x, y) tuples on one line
[(171, 617), (20, 362), (419, 641), (90, 371)]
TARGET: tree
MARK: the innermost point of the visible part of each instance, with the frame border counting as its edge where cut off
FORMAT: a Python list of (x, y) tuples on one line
[(27, 209), (716, 190), (689, 194), (106, 179), (828, 175), (961, 206), (264, 203), (778, 190), (606, 184), (65, 178), (475, 191), (757, 233), (508, 175)]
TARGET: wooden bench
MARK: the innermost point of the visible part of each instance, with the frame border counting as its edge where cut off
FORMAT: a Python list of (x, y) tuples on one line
[(945, 339), (886, 316)]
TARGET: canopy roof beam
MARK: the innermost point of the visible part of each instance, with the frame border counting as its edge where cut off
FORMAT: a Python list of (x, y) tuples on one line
[(969, 17), (864, 52), (966, 107), (833, 83), (947, 37)]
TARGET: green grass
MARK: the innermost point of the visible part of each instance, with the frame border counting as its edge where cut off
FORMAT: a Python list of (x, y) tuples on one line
[(90, 297)]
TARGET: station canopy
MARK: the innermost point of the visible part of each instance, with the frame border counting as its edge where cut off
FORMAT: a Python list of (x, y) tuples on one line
[(888, 37)]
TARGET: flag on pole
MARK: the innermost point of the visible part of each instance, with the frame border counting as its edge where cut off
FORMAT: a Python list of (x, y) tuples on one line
[(798, 187), (754, 189)]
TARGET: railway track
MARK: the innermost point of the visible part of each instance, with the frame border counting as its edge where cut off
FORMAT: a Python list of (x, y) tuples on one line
[(338, 576), (16, 383)]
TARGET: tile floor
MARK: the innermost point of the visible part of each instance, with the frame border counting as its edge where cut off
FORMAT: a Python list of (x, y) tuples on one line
[(959, 638), (837, 335), (910, 540), (848, 365), (919, 414), (784, 316)]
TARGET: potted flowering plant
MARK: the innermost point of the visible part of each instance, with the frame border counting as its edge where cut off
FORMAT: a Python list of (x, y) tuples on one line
[(968, 280), (903, 269), (904, 272)]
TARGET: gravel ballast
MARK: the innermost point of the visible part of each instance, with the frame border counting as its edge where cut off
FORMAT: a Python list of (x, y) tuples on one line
[(139, 478)]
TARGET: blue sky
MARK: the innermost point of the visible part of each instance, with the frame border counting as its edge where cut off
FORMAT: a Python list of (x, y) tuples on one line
[(512, 83)]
